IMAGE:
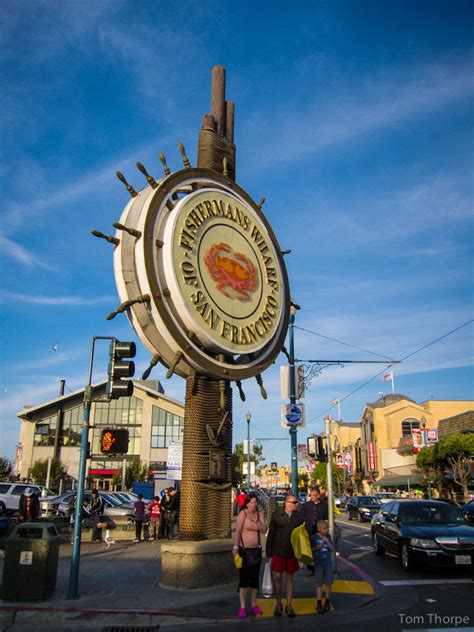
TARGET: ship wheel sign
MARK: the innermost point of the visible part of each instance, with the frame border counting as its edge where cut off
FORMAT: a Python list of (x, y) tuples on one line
[(200, 275)]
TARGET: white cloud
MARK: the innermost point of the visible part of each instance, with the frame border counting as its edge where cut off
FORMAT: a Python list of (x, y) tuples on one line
[(55, 301), (20, 254)]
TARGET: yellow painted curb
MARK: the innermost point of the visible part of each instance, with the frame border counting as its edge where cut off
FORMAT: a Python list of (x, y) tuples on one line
[(354, 587)]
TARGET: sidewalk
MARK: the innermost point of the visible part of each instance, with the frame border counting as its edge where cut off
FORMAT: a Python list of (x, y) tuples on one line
[(122, 584)]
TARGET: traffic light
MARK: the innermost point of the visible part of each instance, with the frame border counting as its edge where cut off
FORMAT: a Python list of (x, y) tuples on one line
[(119, 368), (321, 454), (114, 441)]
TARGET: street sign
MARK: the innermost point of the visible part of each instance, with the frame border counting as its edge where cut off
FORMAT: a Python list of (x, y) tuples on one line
[(175, 461), (292, 416), (372, 457)]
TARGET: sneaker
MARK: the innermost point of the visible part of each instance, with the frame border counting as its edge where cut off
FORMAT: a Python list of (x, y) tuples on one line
[(242, 613), (277, 611), (327, 605), (289, 611), (256, 610), (136, 540), (320, 608)]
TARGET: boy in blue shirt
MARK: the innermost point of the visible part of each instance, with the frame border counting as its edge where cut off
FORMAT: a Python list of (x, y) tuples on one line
[(322, 546)]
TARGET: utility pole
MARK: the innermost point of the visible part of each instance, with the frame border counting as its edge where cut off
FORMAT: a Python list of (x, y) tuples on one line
[(292, 431), (248, 417), (327, 429)]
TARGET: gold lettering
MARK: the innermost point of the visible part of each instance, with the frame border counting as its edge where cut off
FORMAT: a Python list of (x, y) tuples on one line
[(189, 273), (197, 297)]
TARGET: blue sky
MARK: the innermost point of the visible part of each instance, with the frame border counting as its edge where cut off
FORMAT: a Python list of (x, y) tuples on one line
[(354, 120)]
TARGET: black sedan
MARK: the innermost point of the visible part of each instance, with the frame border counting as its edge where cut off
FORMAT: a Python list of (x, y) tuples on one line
[(468, 511), (423, 532), (362, 508)]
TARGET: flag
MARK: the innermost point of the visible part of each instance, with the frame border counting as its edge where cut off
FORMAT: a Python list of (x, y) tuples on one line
[(387, 377)]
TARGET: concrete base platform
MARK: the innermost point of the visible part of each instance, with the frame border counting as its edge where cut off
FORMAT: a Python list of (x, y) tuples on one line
[(197, 564)]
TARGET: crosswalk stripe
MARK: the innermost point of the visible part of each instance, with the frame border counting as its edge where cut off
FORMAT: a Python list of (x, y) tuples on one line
[(426, 582)]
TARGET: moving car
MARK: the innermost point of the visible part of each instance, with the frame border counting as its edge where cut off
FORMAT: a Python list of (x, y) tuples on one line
[(423, 532), (362, 508)]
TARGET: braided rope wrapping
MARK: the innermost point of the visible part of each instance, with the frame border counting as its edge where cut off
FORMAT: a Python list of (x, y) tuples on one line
[(212, 149), (205, 512)]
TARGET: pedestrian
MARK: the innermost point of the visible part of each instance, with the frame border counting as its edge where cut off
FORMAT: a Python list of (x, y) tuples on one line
[(29, 506), (165, 502), (314, 509), (139, 513), (96, 510), (279, 549), (249, 527), (173, 511), (155, 508), (322, 546), (240, 500)]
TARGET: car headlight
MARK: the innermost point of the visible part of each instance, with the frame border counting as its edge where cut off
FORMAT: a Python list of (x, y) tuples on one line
[(424, 543), (364, 510)]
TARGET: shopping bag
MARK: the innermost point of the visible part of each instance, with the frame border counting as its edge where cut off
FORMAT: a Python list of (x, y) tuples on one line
[(301, 545), (267, 584)]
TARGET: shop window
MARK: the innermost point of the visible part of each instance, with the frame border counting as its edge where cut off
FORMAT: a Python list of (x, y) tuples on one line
[(165, 427), (408, 425)]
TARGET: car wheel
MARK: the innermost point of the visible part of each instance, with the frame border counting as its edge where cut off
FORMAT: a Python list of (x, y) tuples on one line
[(378, 550), (406, 558), (3, 509)]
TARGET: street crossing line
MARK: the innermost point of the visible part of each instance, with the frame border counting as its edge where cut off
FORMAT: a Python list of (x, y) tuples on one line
[(426, 582)]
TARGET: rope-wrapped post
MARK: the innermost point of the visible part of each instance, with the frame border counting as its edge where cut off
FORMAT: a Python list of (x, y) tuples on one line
[(206, 490)]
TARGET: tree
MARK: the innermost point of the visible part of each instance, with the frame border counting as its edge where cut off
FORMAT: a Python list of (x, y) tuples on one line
[(39, 471), (5, 467), (457, 450), (136, 472), (239, 458), (320, 476), (432, 466)]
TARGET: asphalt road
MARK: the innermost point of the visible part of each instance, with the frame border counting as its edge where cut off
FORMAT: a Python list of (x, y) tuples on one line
[(423, 600), (404, 602)]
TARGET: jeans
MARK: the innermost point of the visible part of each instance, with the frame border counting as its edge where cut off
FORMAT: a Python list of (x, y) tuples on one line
[(97, 533)]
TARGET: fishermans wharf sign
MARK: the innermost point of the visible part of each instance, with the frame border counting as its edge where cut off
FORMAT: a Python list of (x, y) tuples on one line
[(226, 272), (202, 276)]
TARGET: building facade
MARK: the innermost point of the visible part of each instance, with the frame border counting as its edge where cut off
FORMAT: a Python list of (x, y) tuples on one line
[(53, 429), (386, 427)]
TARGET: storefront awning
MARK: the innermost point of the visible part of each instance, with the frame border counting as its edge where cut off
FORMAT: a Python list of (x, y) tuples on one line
[(398, 481)]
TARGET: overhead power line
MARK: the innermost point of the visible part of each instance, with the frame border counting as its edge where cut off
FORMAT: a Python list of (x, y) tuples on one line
[(341, 342), (429, 344)]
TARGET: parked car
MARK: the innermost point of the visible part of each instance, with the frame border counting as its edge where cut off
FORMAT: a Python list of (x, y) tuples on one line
[(111, 508), (423, 532), (340, 501), (383, 497), (362, 508), (468, 511), (10, 495)]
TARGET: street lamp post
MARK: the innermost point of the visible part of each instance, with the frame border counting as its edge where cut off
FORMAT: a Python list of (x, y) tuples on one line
[(425, 443), (248, 417)]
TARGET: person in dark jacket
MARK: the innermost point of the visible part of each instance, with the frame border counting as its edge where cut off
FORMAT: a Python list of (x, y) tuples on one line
[(173, 510), (139, 514), (96, 510), (314, 509), (29, 506), (164, 513), (280, 550)]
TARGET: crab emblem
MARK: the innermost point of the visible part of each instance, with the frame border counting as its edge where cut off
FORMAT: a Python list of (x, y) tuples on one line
[(237, 273)]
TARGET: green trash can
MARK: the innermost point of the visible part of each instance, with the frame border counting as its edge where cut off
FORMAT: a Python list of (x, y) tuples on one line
[(31, 562)]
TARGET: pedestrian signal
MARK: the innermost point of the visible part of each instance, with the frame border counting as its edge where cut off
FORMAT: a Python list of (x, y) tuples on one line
[(114, 441)]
